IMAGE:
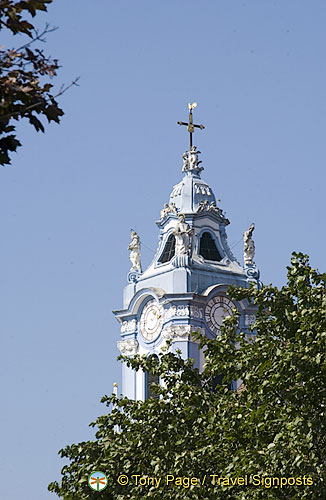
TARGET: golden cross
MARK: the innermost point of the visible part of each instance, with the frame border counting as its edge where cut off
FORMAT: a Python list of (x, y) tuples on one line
[(190, 125)]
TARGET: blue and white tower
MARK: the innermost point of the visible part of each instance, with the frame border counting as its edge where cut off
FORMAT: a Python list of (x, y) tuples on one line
[(184, 289)]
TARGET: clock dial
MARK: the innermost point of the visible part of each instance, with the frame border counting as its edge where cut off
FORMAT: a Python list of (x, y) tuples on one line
[(215, 311), (151, 320)]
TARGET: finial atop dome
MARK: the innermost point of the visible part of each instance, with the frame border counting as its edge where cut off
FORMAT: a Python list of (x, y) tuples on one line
[(192, 106), (190, 125)]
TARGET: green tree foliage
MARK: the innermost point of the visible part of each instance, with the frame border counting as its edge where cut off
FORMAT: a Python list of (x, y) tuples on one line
[(25, 91), (273, 428)]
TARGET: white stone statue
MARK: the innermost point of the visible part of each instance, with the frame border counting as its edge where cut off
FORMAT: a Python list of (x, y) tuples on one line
[(164, 211), (193, 158), (182, 233), (213, 208), (173, 208), (203, 206), (134, 248), (185, 164), (249, 247), (190, 160), (168, 209)]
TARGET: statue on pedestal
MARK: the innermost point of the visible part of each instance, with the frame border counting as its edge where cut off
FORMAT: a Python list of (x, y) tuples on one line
[(182, 233), (190, 160), (249, 247), (134, 248)]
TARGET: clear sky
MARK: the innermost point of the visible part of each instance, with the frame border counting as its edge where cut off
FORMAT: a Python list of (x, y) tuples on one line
[(257, 70)]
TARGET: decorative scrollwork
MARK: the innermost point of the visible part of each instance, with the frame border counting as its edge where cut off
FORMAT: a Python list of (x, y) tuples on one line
[(250, 319), (129, 326), (252, 273), (180, 332), (128, 347), (183, 311)]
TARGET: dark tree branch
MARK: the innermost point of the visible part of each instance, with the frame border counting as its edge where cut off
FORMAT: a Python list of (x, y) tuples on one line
[(62, 90), (38, 37)]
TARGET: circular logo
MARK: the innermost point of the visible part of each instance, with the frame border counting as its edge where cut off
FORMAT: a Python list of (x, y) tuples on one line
[(97, 481)]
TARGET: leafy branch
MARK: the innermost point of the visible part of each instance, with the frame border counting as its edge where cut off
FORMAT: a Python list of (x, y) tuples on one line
[(25, 75)]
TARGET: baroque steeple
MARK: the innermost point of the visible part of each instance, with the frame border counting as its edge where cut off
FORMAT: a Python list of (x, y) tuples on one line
[(184, 289)]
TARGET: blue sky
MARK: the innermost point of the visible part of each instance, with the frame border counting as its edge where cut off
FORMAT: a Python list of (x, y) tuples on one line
[(257, 70)]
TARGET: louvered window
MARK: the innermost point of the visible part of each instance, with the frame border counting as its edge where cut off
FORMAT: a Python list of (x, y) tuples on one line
[(169, 250), (207, 248)]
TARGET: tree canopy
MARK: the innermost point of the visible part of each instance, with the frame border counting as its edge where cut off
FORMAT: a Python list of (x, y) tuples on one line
[(25, 75), (274, 427)]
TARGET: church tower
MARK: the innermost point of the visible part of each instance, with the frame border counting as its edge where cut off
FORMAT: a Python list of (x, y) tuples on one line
[(184, 289)]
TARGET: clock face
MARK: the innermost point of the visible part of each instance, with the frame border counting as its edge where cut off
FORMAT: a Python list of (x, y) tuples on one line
[(151, 320), (215, 311)]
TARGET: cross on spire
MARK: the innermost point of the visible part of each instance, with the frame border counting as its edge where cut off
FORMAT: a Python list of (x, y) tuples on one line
[(190, 125)]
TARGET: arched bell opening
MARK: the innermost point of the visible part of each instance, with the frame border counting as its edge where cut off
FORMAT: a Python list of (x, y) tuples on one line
[(208, 249), (169, 250)]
